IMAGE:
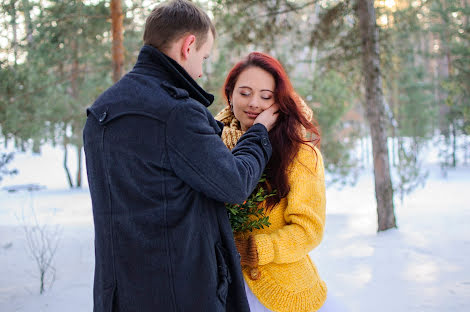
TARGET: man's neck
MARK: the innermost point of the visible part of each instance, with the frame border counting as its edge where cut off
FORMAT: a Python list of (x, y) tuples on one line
[(177, 74)]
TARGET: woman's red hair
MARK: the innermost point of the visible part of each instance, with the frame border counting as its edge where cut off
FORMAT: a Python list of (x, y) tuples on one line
[(287, 135)]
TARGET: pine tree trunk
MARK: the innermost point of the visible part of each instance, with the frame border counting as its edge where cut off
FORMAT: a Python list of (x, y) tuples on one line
[(75, 69), (28, 22), (465, 5), (15, 33), (67, 171), (375, 113), (117, 31), (314, 52), (454, 146), (79, 167)]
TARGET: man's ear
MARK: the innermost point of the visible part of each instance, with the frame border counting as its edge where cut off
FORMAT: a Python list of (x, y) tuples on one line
[(188, 44)]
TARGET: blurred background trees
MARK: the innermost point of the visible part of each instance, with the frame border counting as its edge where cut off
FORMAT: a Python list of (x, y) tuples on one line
[(56, 57)]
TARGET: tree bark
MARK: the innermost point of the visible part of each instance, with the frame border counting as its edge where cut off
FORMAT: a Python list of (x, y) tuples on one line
[(465, 5), (28, 22), (74, 84), (15, 34), (375, 114), (117, 31), (79, 166), (454, 146), (67, 171), (75, 69)]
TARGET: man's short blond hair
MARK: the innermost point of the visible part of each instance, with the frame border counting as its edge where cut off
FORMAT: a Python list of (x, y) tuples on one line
[(171, 20)]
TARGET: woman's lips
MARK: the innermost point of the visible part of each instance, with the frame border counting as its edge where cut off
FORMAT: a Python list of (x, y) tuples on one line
[(252, 115)]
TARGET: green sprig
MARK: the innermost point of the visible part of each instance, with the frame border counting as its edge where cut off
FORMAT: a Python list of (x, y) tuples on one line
[(249, 215)]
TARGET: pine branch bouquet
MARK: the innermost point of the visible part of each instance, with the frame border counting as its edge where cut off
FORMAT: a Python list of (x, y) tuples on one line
[(250, 215)]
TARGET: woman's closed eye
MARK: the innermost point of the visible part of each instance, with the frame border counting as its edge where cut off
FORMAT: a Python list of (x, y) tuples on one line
[(266, 95)]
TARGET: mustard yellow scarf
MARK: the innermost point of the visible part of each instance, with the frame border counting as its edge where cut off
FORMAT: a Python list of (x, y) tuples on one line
[(232, 130)]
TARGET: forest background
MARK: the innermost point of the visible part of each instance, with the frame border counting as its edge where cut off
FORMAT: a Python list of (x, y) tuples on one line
[(56, 57)]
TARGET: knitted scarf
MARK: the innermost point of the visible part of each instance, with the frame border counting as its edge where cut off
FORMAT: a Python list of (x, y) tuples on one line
[(232, 129)]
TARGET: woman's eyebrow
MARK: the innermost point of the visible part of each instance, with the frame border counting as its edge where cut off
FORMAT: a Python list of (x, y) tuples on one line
[(246, 87)]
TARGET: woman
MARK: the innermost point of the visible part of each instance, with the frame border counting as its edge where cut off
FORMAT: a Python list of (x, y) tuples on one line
[(278, 271)]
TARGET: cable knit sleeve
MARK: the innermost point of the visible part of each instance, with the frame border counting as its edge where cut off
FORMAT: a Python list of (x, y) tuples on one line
[(304, 215)]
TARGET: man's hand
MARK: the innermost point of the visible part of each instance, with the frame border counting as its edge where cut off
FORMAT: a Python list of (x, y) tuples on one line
[(268, 117)]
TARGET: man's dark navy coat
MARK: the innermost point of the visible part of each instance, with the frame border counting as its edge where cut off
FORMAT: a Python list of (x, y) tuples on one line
[(159, 175)]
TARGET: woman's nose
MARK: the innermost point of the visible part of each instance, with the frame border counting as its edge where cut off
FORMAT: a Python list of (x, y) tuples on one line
[(253, 102)]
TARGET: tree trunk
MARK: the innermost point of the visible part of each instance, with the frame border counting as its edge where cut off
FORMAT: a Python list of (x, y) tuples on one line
[(67, 171), (75, 69), (454, 146), (465, 5), (314, 52), (79, 166), (117, 30), (28, 22), (15, 33), (394, 148), (375, 113)]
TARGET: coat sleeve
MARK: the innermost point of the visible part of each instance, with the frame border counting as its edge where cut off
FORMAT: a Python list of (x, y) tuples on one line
[(304, 215), (200, 158)]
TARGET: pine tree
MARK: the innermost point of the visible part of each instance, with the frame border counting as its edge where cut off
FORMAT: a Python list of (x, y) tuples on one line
[(375, 112), (63, 69), (450, 28)]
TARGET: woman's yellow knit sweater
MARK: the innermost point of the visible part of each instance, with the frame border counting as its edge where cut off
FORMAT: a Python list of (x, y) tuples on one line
[(289, 280)]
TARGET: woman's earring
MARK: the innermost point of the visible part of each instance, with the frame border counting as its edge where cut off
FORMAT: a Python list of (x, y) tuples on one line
[(231, 105)]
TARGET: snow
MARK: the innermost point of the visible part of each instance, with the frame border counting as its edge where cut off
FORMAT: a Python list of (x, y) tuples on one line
[(420, 266)]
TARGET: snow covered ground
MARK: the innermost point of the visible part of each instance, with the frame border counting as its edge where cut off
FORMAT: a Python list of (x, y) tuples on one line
[(421, 266)]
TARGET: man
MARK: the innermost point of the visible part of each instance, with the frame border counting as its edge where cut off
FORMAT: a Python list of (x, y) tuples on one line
[(159, 175)]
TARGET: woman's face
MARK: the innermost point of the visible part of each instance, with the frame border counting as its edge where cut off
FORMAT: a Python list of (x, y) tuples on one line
[(253, 93)]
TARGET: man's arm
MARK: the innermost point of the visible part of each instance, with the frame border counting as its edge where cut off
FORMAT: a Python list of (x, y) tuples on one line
[(200, 158)]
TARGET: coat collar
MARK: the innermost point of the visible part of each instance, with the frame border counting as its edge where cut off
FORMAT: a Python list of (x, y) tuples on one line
[(151, 60)]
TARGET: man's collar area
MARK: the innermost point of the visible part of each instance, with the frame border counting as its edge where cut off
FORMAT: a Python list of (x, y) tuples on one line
[(150, 56)]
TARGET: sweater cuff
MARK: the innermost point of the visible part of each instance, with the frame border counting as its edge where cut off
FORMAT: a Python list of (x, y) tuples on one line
[(265, 249)]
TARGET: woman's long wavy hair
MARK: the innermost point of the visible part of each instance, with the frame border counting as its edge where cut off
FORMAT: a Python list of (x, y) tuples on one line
[(288, 133)]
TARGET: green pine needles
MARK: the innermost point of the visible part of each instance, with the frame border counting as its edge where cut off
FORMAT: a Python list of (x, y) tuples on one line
[(249, 215)]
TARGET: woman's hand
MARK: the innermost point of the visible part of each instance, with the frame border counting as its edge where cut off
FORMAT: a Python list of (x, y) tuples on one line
[(248, 251)]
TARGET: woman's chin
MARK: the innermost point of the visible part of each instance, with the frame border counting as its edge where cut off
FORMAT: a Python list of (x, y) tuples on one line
[(246, 126)]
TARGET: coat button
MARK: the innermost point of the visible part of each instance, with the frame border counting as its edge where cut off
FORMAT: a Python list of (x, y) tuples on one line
[(103, 117), (264, 141)]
